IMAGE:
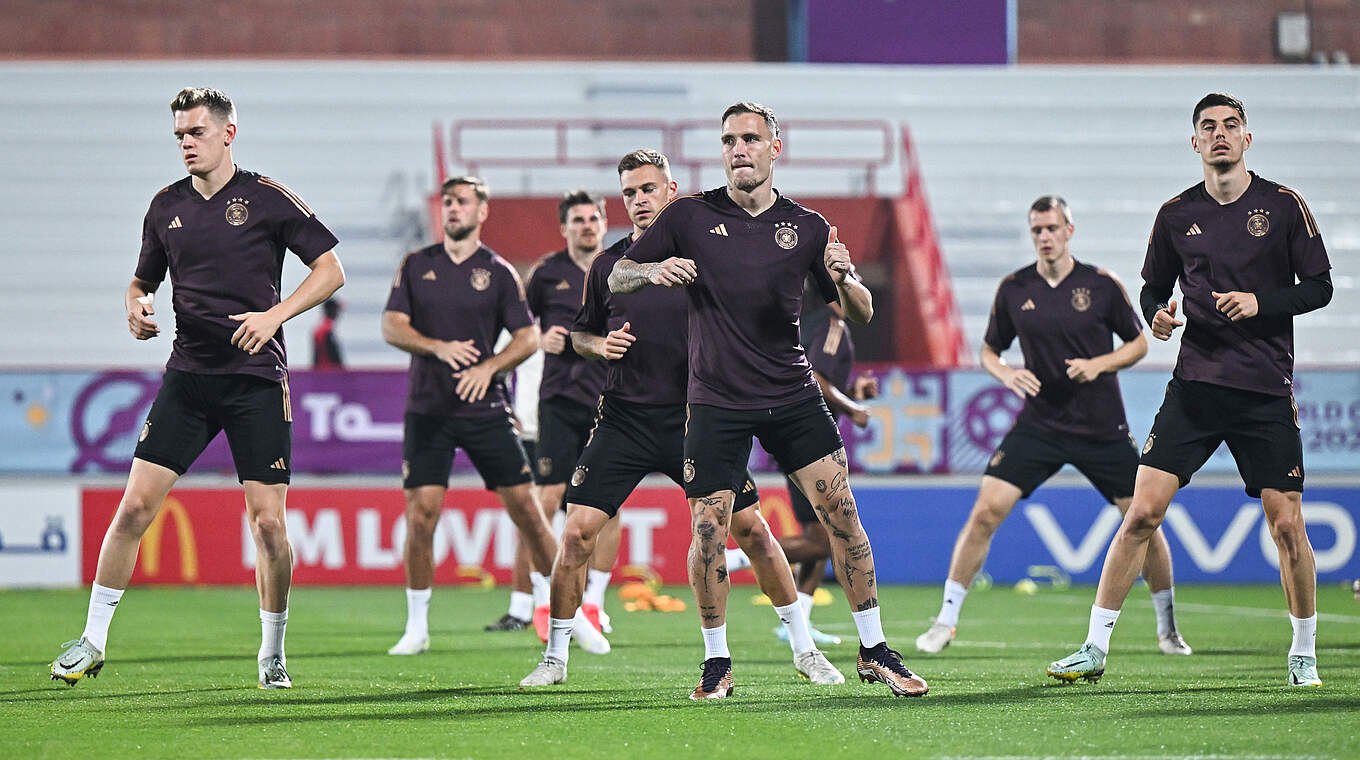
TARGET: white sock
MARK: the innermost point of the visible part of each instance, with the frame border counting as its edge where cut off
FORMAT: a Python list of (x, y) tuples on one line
[(805, 601), (521, 605), (737, 560), (1101, 626), (715, 642), (870, 627), (272, 627), (952, 605), (796, 623), (1164, 602), (542, 589), (103, 601), (418, 611), (597, 582), (559, 637), (1305, 636)]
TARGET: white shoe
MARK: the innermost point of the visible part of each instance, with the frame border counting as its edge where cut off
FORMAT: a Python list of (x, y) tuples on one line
[(935, 639), (605, 626), (814, 666), (585, 634), (411, 644), (1172, 643), (550, 671)]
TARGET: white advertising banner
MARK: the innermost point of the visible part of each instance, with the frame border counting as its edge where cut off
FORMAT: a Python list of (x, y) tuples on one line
[(39, 536)]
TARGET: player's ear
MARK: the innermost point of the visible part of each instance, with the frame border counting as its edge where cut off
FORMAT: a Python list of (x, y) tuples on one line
[(482, 212), (230, 134), (1194, 143), (1246, 140), (776, 147)]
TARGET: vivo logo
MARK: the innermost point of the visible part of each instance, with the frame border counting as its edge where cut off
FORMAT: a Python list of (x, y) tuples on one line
[(1210, 556)]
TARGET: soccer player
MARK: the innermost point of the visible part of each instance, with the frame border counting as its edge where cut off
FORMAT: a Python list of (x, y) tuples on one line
[(221, 234), (831, 353), (641, 338), (1236, 242), (448, 303), (570, 390), (1066, 314), (742, 252)]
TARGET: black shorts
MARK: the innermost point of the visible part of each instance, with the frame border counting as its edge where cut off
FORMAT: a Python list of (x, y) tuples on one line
[(1028, 456), (429, 441), (1261, 430), (190, 408), (630, 442), (563, 429), (718, 441)]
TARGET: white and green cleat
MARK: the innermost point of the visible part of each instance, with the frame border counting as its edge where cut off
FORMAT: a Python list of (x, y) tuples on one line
[(1087, 662), (273, 674), (1303, 671), (78, 659), (549, 672)]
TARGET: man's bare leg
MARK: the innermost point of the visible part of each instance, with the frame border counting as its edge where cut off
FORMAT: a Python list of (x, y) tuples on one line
[(1298, 576), (267, 517)]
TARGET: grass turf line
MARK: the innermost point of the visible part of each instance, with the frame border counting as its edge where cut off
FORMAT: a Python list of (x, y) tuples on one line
[(180, 682)]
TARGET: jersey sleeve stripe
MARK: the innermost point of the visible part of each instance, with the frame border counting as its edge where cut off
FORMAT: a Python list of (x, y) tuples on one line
[(289, 194), (1308, 220)]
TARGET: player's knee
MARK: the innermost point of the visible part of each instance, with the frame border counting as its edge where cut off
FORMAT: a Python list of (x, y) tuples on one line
[(270, 530), (754, 536), (1142, 521), (987, 516), (135, 514)]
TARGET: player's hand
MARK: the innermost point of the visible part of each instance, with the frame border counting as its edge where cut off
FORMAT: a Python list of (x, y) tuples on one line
[(457, 353), (617, 342), (1083, 370), (865, 387), (860, 415), (473, 382), (837, 257), (674, 272), (1164, 322), (257, 328), (554, 339), (140, 323), (1023, 382), (1237, 305)]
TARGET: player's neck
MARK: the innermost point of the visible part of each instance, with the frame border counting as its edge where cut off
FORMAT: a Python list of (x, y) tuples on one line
[(1057, 270), (756, 202), (1228, 185), (208, 184), (460, 250), (583, 259)]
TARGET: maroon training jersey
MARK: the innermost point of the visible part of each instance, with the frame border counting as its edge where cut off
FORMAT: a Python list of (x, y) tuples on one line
[(556, 290), (744, 349), (655, 370), (830, 350), (474, 301), (1258, 243), (1075, 320), (225, 256)]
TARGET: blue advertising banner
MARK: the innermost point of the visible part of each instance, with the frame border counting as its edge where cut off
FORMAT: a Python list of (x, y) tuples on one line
[(351, 422), (1217, 535)]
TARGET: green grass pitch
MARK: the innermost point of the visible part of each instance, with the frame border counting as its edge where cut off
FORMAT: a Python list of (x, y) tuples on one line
[(180, 682)]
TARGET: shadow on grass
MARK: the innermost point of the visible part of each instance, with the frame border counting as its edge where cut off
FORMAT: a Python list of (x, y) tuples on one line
[(62, 691), (1303, 705)]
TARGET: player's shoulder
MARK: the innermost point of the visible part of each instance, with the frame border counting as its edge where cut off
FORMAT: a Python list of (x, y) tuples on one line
[(492, 259), (1100, 274), (171, 192), (1182, 200), (275, 191), (1020, 277), (420, 254), (792, 209), (545, 264), (685, 206), (1288, 196), (610, 256)]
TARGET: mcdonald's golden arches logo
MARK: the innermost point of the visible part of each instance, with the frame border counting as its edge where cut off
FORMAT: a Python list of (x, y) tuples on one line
[(153, 540)]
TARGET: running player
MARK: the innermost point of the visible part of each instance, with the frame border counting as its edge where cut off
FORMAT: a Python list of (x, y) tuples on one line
[(1065, 313), (570, 390), (220, 233), (448, 303), (641, 338), (742, 252), (1236, 242)]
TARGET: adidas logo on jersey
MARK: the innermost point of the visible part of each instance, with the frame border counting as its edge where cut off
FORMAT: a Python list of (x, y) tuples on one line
[(719, 230), (563, 285), (1028, 305), (278, 464), (1194, 230), (175, 224), (429, 276)]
